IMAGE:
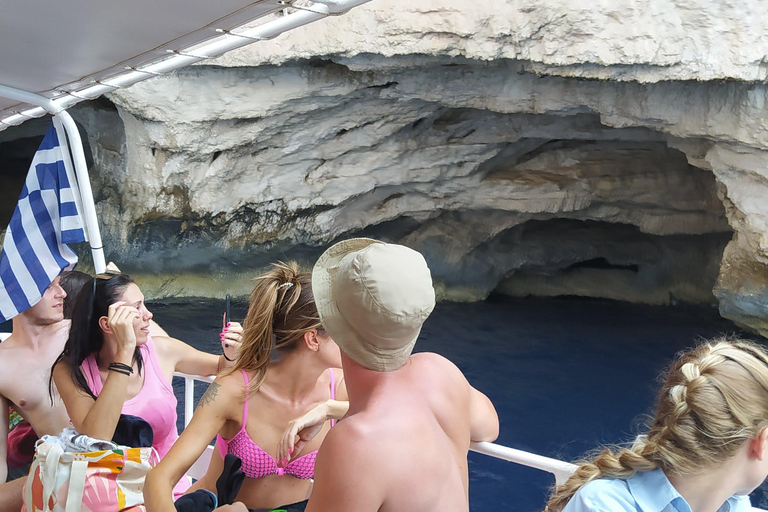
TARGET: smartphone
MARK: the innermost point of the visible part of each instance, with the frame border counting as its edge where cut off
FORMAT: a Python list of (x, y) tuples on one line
[(226, 318)]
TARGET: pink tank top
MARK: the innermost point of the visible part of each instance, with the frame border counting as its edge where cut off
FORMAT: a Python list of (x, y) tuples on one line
[(155, 403), (257, 463)]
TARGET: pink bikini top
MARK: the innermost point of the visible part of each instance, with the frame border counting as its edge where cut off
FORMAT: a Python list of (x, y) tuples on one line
[(258, 463)]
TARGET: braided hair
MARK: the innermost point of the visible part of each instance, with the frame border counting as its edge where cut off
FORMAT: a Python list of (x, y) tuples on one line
[(714, 399)]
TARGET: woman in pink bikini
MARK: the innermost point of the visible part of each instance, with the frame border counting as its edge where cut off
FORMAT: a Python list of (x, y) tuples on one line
[(249, 407), (112, 366)]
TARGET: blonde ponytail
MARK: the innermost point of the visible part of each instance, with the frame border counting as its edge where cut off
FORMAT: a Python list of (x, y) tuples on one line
[(281, 309)]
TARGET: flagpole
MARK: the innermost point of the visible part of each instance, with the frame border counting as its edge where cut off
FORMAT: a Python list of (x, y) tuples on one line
[(86, 193), (81, 171)]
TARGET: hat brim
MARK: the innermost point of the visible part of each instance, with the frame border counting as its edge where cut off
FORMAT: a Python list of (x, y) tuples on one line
[(352, 343)]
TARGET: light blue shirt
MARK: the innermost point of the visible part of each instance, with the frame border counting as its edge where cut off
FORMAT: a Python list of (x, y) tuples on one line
[(649, 491)]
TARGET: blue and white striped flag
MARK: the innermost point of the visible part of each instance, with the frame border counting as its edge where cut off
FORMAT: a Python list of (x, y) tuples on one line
[(45, 219)]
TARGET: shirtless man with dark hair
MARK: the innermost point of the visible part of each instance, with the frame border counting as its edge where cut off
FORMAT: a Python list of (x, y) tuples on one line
[(38, 337)]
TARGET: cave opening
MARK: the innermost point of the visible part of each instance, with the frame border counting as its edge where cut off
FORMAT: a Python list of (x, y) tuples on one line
[(598, 259), (617, 217)]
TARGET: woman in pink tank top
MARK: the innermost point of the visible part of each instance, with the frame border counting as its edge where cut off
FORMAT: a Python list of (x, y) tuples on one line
[(111, 366), (287, 368)]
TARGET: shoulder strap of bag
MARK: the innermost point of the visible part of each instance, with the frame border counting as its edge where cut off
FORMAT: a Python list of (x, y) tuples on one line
[(49, 472), (76, 485)]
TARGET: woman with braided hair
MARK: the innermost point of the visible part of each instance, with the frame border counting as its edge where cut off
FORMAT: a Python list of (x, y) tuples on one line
[(706, 450)]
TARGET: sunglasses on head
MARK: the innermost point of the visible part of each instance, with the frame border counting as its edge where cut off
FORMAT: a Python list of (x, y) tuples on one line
[(105, 276)]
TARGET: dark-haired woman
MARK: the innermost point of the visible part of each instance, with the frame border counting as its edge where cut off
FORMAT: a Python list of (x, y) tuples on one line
[(251, 405), (112, 366)]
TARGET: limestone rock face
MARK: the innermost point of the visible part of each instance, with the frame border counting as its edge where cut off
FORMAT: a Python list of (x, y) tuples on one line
[(609, 149), (633, 40)]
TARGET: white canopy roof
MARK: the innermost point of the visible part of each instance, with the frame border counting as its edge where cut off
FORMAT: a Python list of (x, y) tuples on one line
[(72, 50)]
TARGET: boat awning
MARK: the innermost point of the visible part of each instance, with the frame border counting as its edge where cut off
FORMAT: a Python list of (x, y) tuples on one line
[(69, 51)]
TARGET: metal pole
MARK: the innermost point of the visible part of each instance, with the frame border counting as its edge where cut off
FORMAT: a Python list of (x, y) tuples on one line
[(189, 399), (84, 182), (81, 171)]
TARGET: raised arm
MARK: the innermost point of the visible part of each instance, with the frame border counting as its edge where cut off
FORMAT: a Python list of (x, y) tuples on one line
[(99, 418), (214, 409), (303, 429), (187, 359)]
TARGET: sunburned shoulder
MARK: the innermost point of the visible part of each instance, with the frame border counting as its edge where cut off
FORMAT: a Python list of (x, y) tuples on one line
[(437, 369), (603, 495), (354, 435), (231, 385), (433, 360)]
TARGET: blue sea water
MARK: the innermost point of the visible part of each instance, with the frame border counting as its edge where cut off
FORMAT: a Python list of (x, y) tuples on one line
[(565, 375)]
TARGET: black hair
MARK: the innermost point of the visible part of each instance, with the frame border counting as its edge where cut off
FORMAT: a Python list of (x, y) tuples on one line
[(85, 334), (73, 281)]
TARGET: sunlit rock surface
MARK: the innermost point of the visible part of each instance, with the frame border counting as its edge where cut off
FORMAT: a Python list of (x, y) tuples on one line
[(611, 150)]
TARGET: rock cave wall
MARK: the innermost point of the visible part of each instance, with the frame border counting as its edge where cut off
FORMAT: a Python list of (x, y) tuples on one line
[(540, 150)]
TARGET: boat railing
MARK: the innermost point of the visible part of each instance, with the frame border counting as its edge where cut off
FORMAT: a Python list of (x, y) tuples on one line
[(561, 470)]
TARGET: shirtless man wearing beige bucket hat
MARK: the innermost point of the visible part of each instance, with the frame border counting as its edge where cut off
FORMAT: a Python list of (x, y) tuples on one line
[(403, 443)]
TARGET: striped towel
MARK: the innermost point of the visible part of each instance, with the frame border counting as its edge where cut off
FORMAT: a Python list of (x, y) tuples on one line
[(46, 218)]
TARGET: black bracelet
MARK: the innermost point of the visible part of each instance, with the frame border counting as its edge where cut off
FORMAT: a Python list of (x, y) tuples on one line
[(121, 368), (225, 357)]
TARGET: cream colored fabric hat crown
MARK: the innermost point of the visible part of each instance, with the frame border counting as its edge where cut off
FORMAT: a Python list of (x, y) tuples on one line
[(372, 299)]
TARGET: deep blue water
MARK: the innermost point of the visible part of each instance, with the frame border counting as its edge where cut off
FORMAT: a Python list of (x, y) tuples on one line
[(564, 374)]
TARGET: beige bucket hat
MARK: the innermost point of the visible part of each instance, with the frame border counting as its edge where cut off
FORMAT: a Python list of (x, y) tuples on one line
[(373, 298)]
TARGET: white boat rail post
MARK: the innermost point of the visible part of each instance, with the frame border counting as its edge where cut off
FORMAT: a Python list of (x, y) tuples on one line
[(83, 181), (189, 393)]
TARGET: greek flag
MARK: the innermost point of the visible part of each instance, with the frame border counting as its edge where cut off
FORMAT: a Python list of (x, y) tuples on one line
[(46, 218)]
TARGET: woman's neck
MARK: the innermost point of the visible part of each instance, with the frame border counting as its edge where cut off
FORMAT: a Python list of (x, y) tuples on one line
[(708, 490), (295, 374), (106, 355)]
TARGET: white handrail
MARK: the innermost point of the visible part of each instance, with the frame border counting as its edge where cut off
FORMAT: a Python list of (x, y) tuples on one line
[(562, 470)]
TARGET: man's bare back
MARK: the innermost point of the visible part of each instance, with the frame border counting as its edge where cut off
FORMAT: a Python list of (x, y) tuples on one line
[(404, 441), (404, 446), (26, 357)]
